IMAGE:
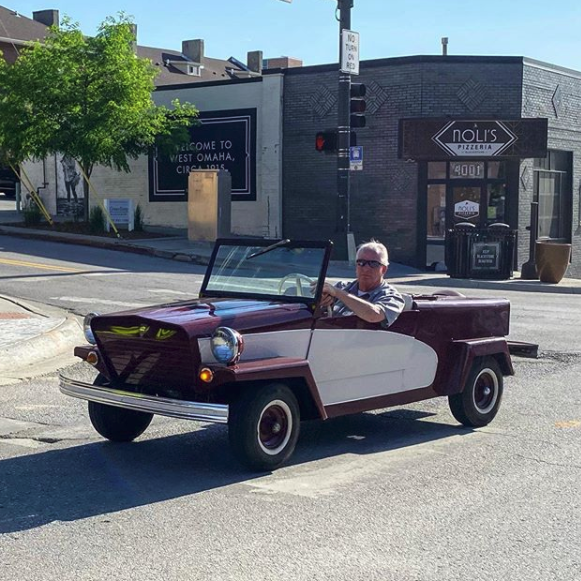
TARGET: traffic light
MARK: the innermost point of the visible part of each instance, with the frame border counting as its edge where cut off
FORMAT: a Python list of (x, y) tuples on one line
[(326, 141), (357, 105)]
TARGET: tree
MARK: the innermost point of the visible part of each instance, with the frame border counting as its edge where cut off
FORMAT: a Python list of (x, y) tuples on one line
[(89, 98)]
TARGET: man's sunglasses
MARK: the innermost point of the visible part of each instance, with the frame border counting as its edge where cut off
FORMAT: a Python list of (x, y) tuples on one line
[(371, 263)]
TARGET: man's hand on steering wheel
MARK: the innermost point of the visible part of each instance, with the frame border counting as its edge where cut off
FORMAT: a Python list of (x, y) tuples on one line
[(328, 296)]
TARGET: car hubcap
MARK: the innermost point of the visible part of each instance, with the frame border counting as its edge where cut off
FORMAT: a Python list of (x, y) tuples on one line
[(274, 427), (485, 391)]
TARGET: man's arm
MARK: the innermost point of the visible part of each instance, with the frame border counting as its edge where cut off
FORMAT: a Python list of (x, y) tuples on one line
[(365, 310)]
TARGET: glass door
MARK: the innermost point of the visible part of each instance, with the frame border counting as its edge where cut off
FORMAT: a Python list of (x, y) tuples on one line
[(473, 191), (465, 204)]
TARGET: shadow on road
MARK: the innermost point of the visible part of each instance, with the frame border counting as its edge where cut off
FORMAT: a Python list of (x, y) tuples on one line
[(99, 478)]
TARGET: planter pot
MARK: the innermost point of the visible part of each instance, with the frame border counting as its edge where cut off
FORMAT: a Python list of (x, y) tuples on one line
[(552, 260)]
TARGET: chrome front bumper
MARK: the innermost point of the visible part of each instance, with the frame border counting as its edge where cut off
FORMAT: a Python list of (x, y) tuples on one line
[(163, 406)]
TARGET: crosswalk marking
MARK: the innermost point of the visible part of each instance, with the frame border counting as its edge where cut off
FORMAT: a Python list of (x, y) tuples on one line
[(164, 291), (95, 301)]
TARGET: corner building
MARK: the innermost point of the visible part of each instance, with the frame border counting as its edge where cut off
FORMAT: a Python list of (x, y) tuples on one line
[(408, 201)]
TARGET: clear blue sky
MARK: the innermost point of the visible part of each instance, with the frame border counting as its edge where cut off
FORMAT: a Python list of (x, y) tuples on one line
[(307, 29)]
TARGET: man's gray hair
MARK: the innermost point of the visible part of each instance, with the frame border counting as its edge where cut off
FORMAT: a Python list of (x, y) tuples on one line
[(378, 248)]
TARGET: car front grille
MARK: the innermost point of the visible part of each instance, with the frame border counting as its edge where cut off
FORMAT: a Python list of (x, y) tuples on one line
[(146, 356)]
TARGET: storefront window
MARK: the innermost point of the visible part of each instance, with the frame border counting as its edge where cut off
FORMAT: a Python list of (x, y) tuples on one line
[(464, 190), (436, 211), (496, 170), (549, 195), (496, 205), (437, 170), (552, 190)]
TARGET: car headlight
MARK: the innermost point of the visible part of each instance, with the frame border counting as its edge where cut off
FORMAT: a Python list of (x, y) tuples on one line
[(89, 336), (227, 345)]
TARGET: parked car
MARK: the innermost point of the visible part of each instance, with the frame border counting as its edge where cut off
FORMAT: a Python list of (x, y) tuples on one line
[(8, 182), (257, 352)]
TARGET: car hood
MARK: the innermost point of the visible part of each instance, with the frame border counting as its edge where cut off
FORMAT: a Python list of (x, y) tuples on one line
[(202, 316)]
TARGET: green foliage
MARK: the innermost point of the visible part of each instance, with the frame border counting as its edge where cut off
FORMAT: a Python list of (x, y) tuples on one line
[(97, 220), (88, 97), (138, 219), (31, 213)]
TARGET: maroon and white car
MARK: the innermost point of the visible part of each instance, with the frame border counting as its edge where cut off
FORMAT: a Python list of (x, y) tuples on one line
[(257, 352)]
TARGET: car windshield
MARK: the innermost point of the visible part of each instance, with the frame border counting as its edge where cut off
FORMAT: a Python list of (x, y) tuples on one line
[(274, 269)]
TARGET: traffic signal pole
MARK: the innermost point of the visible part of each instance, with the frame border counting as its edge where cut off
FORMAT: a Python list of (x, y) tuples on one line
[(343, 139)]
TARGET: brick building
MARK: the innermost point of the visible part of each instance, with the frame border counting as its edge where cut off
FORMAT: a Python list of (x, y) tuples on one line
[(17, 30), (409, 202)]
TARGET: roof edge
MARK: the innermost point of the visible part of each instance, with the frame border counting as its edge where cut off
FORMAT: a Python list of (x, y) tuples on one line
[(402, 60), (551, 67), (196, 84)]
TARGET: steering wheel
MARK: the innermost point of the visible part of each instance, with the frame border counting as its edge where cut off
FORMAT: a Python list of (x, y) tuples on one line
[(297, 277)]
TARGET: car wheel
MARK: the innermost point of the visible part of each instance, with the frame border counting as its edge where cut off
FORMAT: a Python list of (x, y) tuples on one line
[(263, 426), (478, 403), (114, 423)]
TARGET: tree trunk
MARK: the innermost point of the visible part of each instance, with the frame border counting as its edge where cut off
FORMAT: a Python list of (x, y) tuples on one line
[(87, 170)]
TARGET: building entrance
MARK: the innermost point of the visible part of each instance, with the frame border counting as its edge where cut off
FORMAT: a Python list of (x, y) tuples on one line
[(462, 191)]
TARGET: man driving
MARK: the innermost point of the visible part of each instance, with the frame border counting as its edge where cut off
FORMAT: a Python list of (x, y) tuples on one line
[(370, 297)]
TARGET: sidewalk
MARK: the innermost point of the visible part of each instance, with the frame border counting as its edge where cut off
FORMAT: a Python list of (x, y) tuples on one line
[(32, 335)]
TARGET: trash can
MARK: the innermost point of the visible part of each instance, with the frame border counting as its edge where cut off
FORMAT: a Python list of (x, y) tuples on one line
[(480, 253), (552, 260), (457, 253)]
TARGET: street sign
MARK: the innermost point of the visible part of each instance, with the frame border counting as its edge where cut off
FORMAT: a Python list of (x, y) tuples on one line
[(356, 158), (350, 52)]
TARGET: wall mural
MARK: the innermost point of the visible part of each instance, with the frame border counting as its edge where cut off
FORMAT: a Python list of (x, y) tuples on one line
[(69, 190)]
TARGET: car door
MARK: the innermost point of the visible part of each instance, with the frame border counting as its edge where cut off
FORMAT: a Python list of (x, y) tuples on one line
[(351, 359)]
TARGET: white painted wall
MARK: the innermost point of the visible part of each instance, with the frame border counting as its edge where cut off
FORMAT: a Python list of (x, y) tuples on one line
[(262, 217)]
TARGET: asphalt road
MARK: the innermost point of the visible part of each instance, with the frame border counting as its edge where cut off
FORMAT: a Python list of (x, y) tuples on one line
[(402, 494)]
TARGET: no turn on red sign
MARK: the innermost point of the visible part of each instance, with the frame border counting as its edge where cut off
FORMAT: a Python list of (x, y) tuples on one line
[(350, 52)]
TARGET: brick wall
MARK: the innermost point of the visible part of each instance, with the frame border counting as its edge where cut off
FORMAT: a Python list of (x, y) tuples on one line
[(384, 196), (554, 93)]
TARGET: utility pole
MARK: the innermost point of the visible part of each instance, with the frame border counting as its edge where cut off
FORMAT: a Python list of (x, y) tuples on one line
[(343, 136)]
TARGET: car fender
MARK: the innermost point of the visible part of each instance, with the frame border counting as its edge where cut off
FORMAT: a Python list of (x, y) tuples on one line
[(271, 369), (454, 369), (82, 351)]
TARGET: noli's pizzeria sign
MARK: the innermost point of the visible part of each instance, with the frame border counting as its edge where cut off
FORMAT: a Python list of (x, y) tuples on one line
[(445, 138), (475, 138), (223, 140)]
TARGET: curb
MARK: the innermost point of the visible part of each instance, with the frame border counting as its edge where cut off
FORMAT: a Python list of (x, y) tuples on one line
[(45, 346), (60, 340), (514, 285), (106, 244), (66, 238)]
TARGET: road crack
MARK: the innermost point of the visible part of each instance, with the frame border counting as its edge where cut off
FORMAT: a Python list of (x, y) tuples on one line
[(541, 461)]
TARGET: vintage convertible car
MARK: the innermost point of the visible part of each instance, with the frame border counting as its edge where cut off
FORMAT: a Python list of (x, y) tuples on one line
[(258, 352)]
